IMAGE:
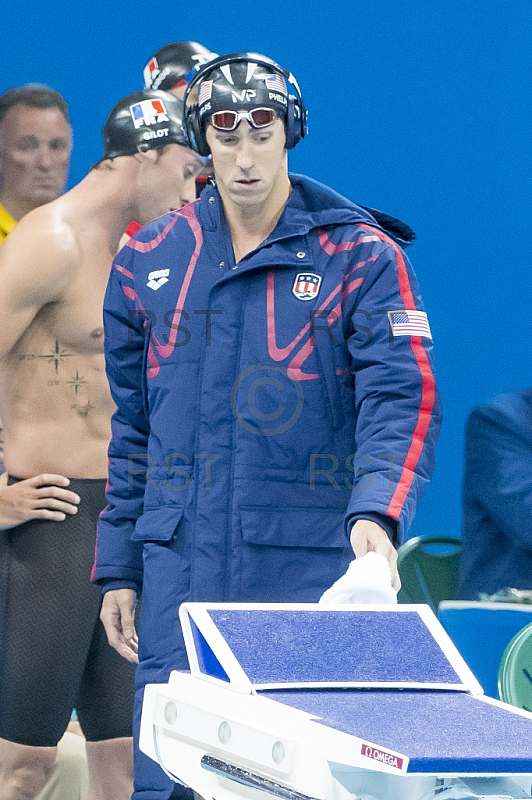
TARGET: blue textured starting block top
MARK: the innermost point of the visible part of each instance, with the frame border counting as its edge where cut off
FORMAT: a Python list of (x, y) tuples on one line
[(290, 646), (272, 647), (442, 732)]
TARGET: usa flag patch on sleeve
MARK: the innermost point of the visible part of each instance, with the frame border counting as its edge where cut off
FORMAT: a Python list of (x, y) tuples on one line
[(409, 323)]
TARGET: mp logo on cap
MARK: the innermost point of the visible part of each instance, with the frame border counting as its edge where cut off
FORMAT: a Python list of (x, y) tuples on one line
[(148, 112), (245, 96)]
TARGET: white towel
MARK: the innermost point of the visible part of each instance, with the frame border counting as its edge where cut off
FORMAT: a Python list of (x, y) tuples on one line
[(367, 580)]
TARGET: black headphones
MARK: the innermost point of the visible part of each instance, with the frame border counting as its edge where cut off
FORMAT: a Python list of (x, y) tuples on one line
[(296, 113)]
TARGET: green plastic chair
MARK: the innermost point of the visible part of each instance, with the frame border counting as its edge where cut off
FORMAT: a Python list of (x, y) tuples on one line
[(515, 670), (428, 568)]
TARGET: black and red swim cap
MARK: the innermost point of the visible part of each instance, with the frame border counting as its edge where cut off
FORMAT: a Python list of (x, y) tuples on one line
[(175, 64)]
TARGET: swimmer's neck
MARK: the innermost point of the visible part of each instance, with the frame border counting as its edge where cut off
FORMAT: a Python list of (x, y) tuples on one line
[(106, 203)]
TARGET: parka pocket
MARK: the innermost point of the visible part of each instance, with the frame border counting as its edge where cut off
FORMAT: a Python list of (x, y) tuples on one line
[(290, 554), (293, 527), (157, 524)]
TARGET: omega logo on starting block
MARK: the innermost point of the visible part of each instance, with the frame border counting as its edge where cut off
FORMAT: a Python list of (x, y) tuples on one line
[(382, 755)]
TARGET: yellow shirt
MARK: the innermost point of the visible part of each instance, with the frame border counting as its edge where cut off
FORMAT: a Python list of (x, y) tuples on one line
[(7, 223)]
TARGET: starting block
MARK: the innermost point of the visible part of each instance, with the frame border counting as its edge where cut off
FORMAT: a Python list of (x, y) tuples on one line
[(310, 702)]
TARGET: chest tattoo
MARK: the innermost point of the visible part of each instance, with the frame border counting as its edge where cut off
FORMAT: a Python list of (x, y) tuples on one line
[(56, 356)]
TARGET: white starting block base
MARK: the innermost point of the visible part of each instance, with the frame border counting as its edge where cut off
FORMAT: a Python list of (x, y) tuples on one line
[(331, 703)]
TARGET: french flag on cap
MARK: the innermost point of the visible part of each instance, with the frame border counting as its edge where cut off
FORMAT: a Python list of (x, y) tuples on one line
[(148, 112)]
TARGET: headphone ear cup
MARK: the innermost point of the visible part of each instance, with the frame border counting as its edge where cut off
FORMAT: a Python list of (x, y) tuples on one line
[(293, 122), (194, 131)]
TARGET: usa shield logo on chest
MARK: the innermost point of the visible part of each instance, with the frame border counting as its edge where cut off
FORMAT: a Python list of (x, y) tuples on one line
[(306, 286)]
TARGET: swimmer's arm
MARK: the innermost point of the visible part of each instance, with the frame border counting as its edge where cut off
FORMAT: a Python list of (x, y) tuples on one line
[(41, 497), (36, 263)]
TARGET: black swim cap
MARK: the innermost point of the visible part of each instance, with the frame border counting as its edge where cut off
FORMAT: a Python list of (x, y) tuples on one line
[(174, 64), (242, 85), (145, 120)]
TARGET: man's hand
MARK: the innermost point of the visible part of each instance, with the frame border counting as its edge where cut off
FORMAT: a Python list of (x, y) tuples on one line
[(42, 497), (367, 537), (117, 615)]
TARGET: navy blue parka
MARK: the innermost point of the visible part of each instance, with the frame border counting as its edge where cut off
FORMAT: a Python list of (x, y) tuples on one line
[(262, 406)]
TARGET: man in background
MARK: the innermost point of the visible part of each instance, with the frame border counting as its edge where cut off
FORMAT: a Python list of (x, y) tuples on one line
[(35, 147), (56, 407), (497, 497)]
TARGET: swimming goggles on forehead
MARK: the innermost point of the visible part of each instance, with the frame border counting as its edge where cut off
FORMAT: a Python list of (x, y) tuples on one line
[(230, 120)]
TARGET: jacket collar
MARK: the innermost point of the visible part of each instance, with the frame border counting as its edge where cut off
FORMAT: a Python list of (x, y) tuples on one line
[(310, 205), (317, 196)]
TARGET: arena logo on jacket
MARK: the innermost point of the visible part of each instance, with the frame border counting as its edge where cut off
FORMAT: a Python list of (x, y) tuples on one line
[(306, 286), (158, 278)]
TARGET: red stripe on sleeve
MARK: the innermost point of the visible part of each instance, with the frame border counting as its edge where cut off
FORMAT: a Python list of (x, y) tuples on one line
[(428, 396), (428, 388)]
